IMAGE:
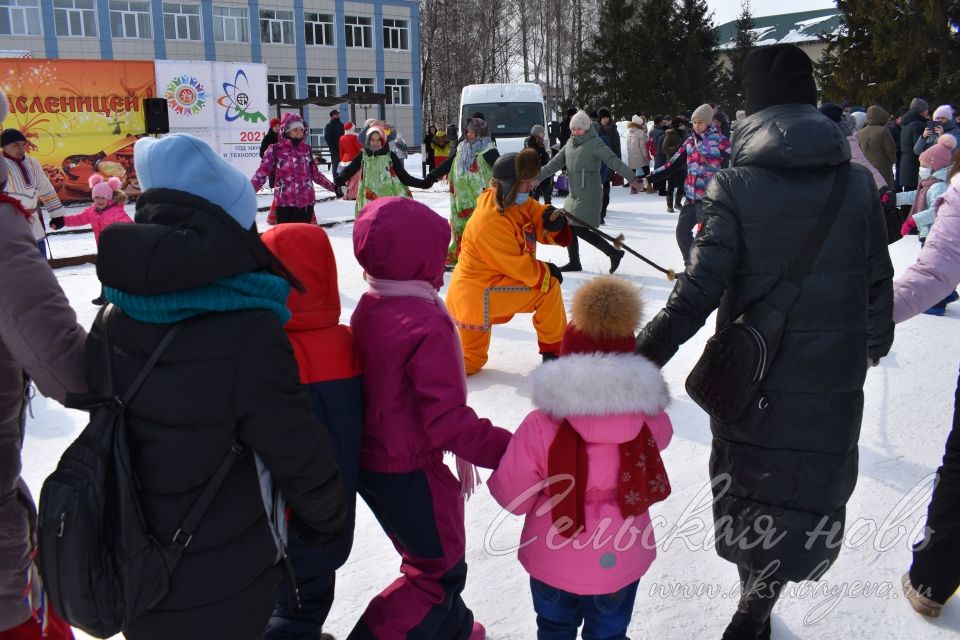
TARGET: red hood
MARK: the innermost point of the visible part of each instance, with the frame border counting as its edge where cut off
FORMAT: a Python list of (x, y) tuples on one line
[(401, 239), (305, 250)]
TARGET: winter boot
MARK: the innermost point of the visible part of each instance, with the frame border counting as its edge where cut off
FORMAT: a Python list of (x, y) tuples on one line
[(670, 204), (615, 260), (744, 627), (920, 603), (953, 297), (573, 256), (571, 266), (99, 300), (326, 636), (478, 632), (544, 357), (938, 309)]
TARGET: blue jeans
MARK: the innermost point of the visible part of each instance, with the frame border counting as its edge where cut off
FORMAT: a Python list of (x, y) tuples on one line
[(560, 613)]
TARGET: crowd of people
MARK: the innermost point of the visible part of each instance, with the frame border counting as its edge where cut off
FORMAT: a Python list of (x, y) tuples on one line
[(253, 361)]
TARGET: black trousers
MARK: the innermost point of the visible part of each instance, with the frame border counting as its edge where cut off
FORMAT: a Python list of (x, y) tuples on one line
[(935, 572), (691, 214), (606, 200), (590, 237), (544, 190), (294, 214)]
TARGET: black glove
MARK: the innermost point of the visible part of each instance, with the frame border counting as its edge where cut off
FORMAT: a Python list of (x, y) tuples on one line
[(554, 225), (338, 191), (56, 223), (555, 272)]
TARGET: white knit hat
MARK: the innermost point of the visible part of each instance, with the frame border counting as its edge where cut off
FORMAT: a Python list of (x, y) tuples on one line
[(637, 120), (580, 121), (943, 111), (703, 113)]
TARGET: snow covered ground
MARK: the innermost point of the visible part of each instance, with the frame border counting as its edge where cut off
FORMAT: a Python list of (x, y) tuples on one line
[(689, 592)]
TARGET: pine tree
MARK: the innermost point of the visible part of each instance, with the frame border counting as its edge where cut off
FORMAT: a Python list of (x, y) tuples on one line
[(699, 37), (888, 53), (746, 40), (601, 75), (657, 35)]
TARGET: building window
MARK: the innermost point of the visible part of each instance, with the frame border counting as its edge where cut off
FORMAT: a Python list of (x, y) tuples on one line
[(321, 86), (358, 31), (396, 34), (20, 18), (276, 27), (397, 90), (318, 29), (75, 18), (230, 24), (181, 21), (359, 84), (130, 19), (281, 87)]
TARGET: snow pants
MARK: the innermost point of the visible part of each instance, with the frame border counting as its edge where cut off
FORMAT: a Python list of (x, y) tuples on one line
[(935, 572), (422, 513), (502, 303)]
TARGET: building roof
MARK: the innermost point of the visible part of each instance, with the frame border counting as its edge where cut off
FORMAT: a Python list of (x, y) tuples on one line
[(796, 28)]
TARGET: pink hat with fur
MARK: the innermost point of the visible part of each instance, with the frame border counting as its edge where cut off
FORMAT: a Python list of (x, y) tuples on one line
[(104, 188)]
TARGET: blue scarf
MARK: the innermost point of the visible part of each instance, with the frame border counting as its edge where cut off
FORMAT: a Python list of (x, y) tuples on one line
[(254, 290)]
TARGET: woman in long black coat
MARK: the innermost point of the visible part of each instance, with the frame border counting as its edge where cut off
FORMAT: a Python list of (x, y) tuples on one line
[(790, 464)]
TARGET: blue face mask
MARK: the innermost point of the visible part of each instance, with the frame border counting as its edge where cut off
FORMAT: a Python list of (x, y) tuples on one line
[(521, 198)]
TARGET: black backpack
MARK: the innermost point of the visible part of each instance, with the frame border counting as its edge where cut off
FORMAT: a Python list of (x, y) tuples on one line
[(100, 564)]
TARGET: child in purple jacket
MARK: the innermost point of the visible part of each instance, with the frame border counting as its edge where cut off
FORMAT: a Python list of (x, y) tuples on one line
[(416, 394)]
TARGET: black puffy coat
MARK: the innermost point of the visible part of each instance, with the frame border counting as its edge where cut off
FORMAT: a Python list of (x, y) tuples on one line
[(226, 376), (794, 462), (911, 130)]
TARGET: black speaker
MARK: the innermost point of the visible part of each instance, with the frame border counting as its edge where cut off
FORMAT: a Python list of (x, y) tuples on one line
[(155, 115)]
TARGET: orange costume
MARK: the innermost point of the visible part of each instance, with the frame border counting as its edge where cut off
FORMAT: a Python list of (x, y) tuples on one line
[(498, 275)]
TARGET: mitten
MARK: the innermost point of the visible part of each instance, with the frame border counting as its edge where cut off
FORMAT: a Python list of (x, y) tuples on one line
[(910, 226), (555, 272), (56, 223), (554, 225)]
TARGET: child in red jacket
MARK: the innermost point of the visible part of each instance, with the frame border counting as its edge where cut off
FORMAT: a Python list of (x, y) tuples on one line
[(330, 370)]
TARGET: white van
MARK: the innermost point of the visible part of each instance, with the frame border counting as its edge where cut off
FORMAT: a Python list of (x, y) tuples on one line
[(510, 110)]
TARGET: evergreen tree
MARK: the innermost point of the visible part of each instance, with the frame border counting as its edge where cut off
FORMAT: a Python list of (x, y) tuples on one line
[(699, 81), (746, 40), (601, 75), (659, 70), (888, 53)]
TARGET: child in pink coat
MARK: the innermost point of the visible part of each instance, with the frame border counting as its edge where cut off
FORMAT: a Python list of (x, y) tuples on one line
[(585, 466), (416, 409), (107, 209)]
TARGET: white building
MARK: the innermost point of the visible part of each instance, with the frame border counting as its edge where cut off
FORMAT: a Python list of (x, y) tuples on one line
[(310, 47)]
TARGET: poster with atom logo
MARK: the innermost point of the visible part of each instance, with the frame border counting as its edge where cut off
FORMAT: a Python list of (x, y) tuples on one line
[(224, 103)]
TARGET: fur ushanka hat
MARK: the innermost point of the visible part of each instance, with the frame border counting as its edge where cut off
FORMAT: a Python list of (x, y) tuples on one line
[(509, 171)]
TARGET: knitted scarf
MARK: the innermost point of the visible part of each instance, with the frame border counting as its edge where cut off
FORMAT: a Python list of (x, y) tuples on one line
[(22, 164), (254, 290), (643, 478), (423, 290)]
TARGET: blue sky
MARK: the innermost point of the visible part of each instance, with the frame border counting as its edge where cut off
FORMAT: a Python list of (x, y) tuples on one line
[(727, 10)]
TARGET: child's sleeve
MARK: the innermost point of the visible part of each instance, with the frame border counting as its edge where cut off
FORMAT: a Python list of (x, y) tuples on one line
[(267, 166), (436, 372), (661, 428), (79, 219), (319, 178), (519, 479)]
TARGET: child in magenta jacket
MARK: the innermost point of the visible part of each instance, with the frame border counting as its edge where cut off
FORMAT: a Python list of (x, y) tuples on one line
[(416, 409), (107, 209), (585, 466)]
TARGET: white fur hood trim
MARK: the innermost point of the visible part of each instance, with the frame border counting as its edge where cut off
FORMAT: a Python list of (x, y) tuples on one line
[(598, 384)]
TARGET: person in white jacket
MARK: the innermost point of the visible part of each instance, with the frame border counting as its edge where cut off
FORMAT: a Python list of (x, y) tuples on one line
[(638, 158), (28, 183)]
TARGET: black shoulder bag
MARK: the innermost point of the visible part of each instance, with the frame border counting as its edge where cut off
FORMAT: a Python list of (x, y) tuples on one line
[(726, 380)]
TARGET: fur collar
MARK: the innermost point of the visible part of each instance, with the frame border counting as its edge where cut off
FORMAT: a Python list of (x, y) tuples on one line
[(598, 384)]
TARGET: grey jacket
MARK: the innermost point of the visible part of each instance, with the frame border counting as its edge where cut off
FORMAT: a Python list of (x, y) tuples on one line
[(39, 338), (582, 157)]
